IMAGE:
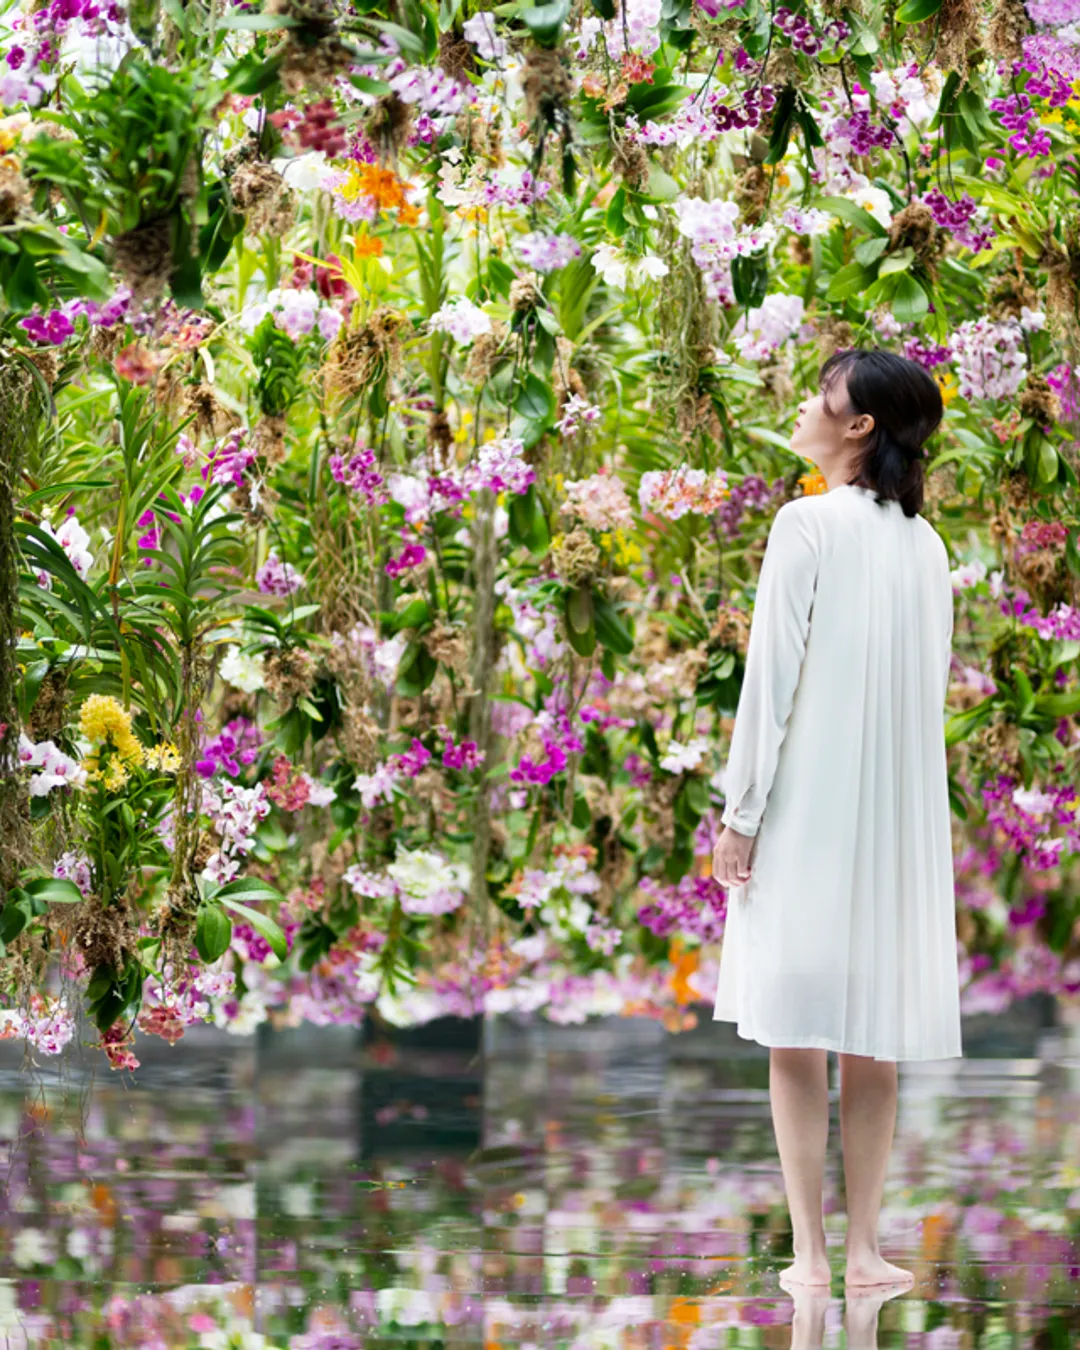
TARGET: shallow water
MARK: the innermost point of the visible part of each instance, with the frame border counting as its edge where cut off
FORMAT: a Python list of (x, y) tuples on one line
[(589, 1187)]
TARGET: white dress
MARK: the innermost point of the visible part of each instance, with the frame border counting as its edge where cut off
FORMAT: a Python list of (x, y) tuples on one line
[(844, 936)]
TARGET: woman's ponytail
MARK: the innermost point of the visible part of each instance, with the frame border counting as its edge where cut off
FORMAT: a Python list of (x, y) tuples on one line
[(895, 470)]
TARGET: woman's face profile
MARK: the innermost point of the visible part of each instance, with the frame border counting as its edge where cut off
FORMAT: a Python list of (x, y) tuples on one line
[(820, 438)]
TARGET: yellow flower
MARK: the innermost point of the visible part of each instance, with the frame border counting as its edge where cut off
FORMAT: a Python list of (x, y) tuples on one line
[(948, 384), (165, 757), (115, 776), (605, 540), (558, 481), (463, 433), (101, 719), (11, 129), (626, 552), (102, 716), (556, 540)]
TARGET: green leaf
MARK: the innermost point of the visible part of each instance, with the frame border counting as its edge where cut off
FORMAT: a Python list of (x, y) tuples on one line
[(852, 279), (910, 302), (615, 216), (580, 628), (415, 614), (662, 187), (750, 278), (868, 251), (54, 889), (247, 888), (916, 11), (544, 22), (579, 609), (535, 400), (213, 932), (75, 485), (260, 23), (850, 211), (1058, 705), (783, 117), (262, 923), (13, 919), (610, 629), (1048, 462), (960, 726), (899, 261), (411, 45)]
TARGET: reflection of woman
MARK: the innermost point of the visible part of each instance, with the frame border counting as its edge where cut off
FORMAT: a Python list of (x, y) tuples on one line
[(842, 934)]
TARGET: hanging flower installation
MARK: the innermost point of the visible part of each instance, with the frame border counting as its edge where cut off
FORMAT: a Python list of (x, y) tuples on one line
[(394, 404)]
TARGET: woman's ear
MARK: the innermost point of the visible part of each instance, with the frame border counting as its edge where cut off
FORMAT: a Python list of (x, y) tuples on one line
[(861, 425)]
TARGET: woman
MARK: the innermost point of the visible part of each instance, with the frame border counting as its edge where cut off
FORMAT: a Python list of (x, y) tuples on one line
[(841, 928)]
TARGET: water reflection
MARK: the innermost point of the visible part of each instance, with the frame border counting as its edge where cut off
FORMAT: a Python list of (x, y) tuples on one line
[(580, 1187)]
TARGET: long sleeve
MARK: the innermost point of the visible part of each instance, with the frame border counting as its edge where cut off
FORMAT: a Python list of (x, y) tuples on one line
[(949, 605), (778, 634)]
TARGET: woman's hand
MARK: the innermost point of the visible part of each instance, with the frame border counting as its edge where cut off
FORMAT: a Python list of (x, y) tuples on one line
[(731, 857)]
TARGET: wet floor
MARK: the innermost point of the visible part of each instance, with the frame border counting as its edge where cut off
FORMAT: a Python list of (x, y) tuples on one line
[(608, 1185)]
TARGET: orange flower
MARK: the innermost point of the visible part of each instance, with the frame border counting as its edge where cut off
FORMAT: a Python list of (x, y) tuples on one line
[(685, 963), (104, 1202), (408, 214), (368, 247), (382, 184), (812, 484)]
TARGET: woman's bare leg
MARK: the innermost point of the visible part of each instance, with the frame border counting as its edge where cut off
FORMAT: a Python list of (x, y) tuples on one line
[(868, 1093), (799, 1094)]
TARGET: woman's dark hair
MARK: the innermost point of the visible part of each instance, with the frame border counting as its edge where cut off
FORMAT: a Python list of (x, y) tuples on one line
[(905, 402)]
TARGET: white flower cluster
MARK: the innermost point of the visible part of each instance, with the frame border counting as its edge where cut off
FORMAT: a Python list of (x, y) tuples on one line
[(235, 813), (463, 320), (635, 29), (480, 31), (620, 270), (54, 768), (990, 358), (759, 332), (680, 758), (970, 574), (73, 539), (242, 672), (379, 658), (712, 228), (904, 93), (296, 311), (422, 880)]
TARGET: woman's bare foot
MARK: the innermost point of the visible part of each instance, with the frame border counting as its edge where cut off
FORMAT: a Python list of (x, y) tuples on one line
[(808, 1271), (871, 1268)]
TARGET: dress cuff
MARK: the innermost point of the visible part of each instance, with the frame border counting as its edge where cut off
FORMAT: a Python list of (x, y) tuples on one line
[(742, 822)]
